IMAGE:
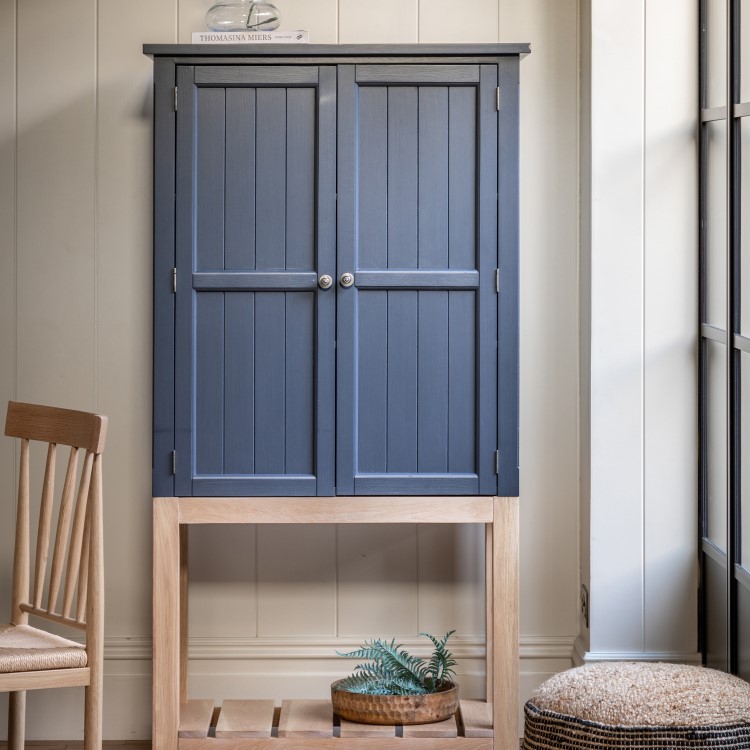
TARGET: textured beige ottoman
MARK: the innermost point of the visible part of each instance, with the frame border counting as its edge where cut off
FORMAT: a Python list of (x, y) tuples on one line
[(638, 705)]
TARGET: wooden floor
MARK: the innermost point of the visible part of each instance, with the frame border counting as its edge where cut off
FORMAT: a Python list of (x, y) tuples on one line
[(106, 745), (68, 745)]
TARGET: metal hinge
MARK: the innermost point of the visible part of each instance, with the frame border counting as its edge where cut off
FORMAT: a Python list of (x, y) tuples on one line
[(497, 99), (173, 458), (497, 463), (497, 280), (175, 98), (174, 281)]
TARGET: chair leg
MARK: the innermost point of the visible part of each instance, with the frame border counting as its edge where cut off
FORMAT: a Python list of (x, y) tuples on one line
[(92, 729), (16, 720)]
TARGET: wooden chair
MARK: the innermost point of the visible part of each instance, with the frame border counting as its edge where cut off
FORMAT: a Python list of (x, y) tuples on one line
[(72, 592)]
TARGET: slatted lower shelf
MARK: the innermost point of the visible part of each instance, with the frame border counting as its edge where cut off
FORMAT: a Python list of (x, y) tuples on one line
[(300, 724)]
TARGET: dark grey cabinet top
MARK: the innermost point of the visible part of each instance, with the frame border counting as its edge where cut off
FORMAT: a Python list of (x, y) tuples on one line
[(204, 51)]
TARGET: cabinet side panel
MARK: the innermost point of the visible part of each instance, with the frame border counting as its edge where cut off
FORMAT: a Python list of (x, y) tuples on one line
[(508, 236), (164, 262)]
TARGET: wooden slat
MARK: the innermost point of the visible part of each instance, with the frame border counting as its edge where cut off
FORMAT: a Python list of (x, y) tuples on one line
[(50, 424), (417, 279), (45, 523), (83, 566), (306, 718), (506, 595), (53, 617), (76, 538), (209, 383), (489, 614), (397, 509), (184, 537), (245, 719), (416, 74), (372, 423), (166, 624), (335, 743), (94, 612), (353, 729), (446, 728), (239, 199), (476, 718), (195, 718), (270, 380), (251, 281), (51, 678), (63, 527), (21, 553), (239, 381)]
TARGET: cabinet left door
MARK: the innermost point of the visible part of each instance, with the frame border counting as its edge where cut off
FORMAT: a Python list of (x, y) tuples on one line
[(255, 230)]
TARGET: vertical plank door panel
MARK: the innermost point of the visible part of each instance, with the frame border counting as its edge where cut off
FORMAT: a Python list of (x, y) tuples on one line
[(300, 182), (270, 188), (209, 208), (239, 220), (372, 384), (418, 154), (433, 362), (402, 382), (249, 200), (209, 384), (270, 382), (239, 383), (300, 358)]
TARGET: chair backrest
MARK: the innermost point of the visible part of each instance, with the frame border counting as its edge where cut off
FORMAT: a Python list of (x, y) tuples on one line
[(76, 572)]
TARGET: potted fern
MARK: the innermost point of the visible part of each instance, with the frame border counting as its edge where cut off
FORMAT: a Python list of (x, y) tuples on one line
[(394, 687)]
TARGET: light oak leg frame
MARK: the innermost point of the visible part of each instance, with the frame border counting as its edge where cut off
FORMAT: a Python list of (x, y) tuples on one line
[(173, 515)]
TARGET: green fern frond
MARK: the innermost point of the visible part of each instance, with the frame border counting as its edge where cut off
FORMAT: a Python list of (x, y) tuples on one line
[(390, 670), (440, 667)]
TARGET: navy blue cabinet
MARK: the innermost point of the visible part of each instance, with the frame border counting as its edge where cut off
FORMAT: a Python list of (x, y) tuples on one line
[(336, 271)]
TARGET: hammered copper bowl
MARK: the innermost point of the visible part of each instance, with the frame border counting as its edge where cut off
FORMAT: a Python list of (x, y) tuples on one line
[(395, 709)]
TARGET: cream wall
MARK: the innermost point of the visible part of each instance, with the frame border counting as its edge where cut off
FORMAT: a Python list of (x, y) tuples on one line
[(75, 318)]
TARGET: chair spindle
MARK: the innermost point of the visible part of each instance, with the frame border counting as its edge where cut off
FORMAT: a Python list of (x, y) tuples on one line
[(63, 530)]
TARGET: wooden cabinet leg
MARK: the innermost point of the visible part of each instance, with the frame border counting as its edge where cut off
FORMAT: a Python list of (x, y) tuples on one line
[(489, 609), (505, 549), (184, 579), (166, 624)]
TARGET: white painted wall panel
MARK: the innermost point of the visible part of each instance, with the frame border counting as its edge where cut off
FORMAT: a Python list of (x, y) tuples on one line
[(56, 260), (584, 312), (377, 580), (453, 22), (386, 22), (549, 286), (617, 327), (450, 573), (638, 330), (124, 127), (670, 355), (7, 288), (191, 16), (320, 18), (296, 580), (223, 581)]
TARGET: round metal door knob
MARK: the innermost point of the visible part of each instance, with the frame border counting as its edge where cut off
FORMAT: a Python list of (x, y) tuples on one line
[(347, 279), (325, 281)]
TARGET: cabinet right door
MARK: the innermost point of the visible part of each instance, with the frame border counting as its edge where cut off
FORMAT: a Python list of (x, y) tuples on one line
[(417, 330)]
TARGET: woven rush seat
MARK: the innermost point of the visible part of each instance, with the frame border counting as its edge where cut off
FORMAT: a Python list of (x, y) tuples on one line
[(639, 706), (27, 649)]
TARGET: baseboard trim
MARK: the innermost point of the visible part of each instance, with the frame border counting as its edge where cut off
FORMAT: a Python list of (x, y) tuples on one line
[(582, 656), (138, 648)]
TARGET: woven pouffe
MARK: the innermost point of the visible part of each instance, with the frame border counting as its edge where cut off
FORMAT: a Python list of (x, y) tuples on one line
[(639, 705)]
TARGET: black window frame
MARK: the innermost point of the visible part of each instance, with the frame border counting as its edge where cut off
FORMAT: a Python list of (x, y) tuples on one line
[(711, 616)]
